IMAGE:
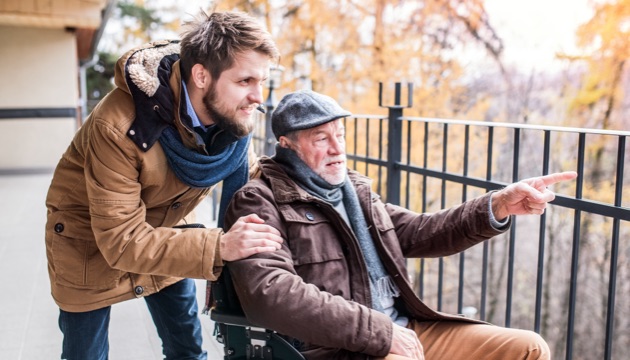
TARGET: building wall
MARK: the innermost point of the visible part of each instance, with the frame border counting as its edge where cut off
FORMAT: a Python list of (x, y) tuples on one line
[(38, 97)]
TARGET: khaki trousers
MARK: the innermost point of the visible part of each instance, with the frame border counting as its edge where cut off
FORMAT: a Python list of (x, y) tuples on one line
[(447, 340)]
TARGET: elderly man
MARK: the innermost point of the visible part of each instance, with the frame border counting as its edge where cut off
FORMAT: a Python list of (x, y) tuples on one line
[(338, 287)]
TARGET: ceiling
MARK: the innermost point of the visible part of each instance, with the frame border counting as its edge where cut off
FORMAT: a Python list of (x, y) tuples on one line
[(85, 17), (52, 13)]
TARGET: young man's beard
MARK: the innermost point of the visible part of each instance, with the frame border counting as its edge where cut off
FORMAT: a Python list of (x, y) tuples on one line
[(227, 122)]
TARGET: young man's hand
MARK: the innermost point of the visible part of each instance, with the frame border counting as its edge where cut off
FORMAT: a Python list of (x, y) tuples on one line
[(248, 236)]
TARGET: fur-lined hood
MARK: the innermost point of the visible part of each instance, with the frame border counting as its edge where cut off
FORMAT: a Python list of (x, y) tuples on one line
[(150, 74), (140, 65)]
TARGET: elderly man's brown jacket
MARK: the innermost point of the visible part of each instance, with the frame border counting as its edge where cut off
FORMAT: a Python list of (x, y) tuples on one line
[(316, 288), (113, 199)]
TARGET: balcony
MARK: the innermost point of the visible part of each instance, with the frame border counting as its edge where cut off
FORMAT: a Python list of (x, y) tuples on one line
[(563, 274)]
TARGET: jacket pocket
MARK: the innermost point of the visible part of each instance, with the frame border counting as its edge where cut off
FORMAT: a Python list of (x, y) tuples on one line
[(311, 236), (316, 250), (80, 264)]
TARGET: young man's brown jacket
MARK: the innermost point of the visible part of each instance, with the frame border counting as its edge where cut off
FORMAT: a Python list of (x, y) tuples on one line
[(113, 199), (315, 290)]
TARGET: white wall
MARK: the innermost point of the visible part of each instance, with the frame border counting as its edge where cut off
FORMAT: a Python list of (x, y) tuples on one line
[(38, 69)]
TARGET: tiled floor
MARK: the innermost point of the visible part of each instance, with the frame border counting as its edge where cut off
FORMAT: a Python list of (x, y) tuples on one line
[(28, 315)]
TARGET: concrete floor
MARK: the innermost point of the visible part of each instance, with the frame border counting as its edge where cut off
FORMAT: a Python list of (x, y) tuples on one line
[(28, 315)]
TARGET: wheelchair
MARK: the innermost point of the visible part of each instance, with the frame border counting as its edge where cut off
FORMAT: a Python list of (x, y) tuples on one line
[(241, 340)]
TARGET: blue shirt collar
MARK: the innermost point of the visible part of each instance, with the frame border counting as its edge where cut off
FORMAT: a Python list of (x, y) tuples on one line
[(191, 110)]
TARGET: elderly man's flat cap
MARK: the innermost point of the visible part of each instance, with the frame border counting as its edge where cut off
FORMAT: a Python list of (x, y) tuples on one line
[(302, 110)]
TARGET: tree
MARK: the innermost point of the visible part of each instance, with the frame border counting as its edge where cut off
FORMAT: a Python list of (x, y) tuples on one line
[(99, 78), (604, 42), (134, 22)]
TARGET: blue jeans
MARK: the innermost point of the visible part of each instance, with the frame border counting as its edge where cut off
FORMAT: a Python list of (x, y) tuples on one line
[(174, 312)]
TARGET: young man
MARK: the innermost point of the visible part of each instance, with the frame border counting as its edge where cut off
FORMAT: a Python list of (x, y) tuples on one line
[(178, 122), (338, 287)]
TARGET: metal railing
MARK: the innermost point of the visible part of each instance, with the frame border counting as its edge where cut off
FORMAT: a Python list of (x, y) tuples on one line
[(420, 163)]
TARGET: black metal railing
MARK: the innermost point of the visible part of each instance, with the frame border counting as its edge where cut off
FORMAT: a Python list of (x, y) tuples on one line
[(556, 274), (430, 164)]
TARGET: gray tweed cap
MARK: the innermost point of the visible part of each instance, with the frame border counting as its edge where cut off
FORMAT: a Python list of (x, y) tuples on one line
[(304, 109)]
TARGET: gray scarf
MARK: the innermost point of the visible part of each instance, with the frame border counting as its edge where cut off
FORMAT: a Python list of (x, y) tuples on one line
[(382, 288)]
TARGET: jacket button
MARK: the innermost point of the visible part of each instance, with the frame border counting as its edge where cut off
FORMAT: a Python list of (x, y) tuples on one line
[(176, 205), (58, 227), (138, 290), (310, 216), (132, 132), (156, 108)]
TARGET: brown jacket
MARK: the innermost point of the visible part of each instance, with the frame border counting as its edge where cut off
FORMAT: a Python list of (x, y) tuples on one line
[(316, 288), (113, 199)]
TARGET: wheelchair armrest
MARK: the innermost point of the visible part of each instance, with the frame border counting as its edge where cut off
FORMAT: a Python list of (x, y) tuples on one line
[(240, 338), (225, 317), (190, 226), (243, 340)]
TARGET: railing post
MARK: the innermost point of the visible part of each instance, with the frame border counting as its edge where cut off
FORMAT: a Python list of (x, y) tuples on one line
[(273, 82), (394, 140), (270, 139)]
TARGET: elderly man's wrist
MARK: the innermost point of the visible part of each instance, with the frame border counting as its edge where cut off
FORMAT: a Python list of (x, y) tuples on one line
[(498, 218)]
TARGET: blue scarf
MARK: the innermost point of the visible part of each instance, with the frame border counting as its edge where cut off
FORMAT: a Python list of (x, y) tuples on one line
[(203, 171)]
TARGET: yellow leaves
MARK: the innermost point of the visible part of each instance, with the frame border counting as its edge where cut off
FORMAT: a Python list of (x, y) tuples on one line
[(605, 42), (609, 26), (348, 47), (587, 98)]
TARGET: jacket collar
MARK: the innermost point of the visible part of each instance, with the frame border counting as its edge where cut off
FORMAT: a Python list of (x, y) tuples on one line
[(147, 72)]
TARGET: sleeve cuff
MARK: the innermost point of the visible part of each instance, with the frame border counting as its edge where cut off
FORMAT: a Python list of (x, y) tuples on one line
[(497, 225)]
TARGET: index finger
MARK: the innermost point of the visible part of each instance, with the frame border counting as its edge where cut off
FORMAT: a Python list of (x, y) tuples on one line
[(558, 177), (264, 228)]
